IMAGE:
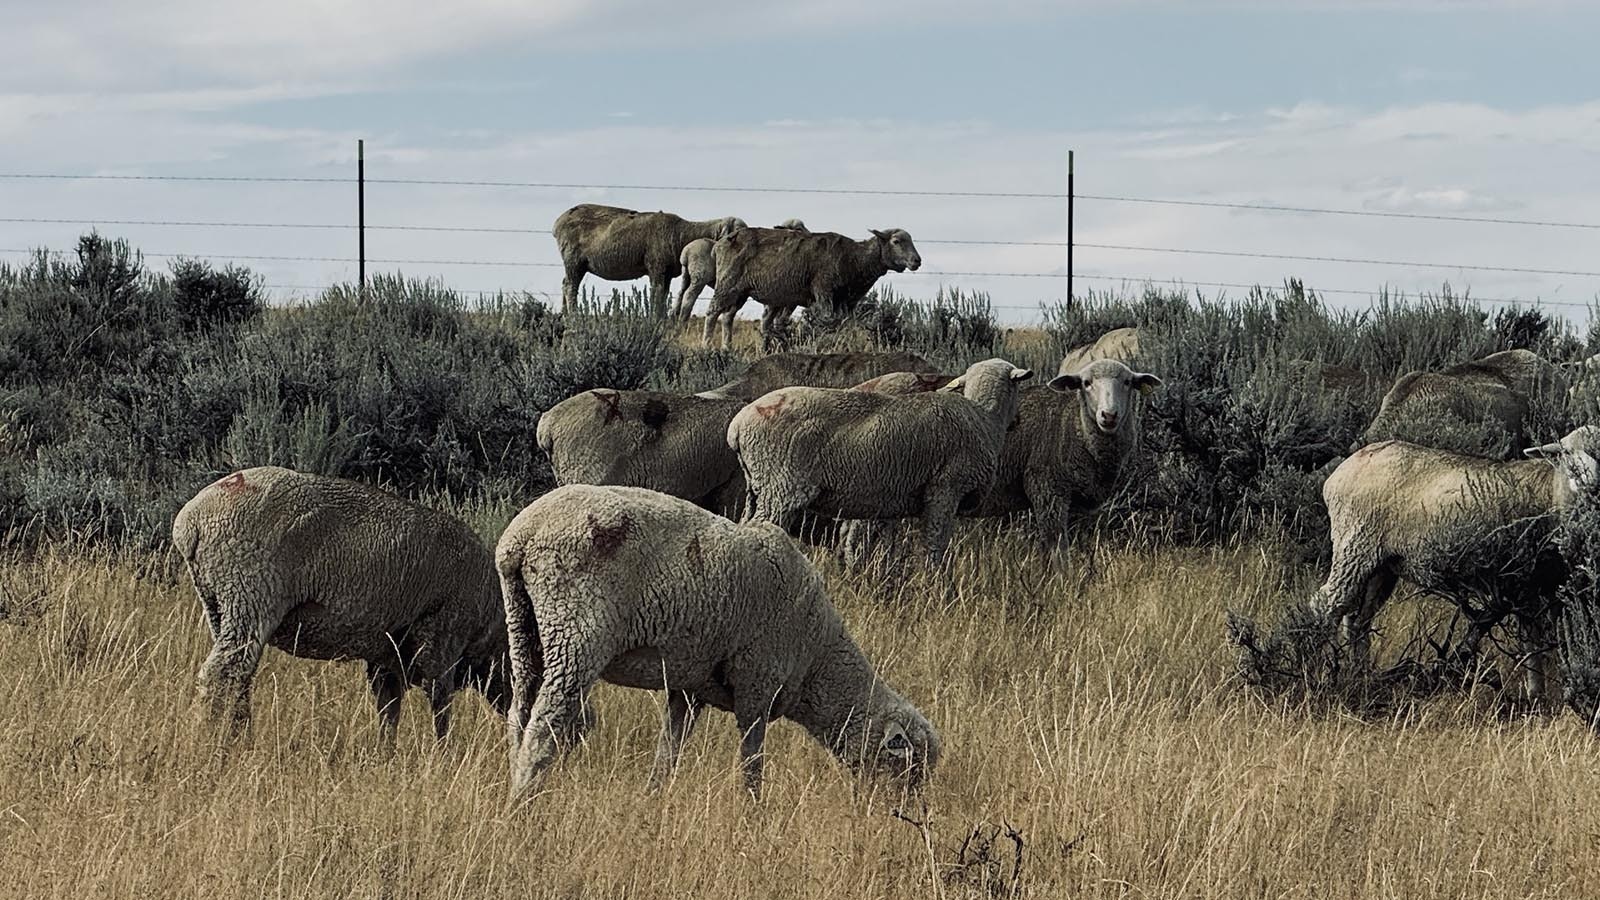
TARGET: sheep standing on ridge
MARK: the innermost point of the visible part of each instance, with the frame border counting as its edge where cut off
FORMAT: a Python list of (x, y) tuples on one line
[(785, 269), (700, 269), (856, 455), (649, 591), (324, 568), (1399, 510), (623, 244)]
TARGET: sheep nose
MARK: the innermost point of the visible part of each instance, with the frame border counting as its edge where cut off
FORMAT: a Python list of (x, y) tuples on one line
[(1108, 420)]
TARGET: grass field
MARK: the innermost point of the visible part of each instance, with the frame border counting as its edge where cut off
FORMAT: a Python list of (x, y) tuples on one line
[(1098, 723)]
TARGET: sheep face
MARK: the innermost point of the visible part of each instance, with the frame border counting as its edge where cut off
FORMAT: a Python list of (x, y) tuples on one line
[(1107, 387), (896, 250), (899, 744), (1576, 457)]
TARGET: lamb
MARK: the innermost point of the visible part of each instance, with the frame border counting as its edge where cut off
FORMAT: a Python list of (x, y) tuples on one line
[(700, 269), (623, 244), (667, 442), (856, 455), (785, 269), (1070, 448), (1440, 520), (1481, 405), (833, 370), (324, 568), (1120, 344), (649, 591)]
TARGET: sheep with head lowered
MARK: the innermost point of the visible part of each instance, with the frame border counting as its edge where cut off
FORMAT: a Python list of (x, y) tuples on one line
[(784, 269), (1453, 523), (700, 269), (643, 590), (671, 443), (623, 244), (1480, 406), (324, 568), (834, 370), (857, 455)]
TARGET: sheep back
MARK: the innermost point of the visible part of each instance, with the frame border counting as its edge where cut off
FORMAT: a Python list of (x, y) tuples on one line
[(829, 370)]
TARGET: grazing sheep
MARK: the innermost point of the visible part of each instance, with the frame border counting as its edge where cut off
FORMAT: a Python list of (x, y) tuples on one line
[(785, 269), (324, 568), (700, 269), (1121, 344), (671, 443), (832, 370), (648, 591), (1070, 447), (854, 455), (897, 383), (1439, 519), (623, 244), (1473, 403)]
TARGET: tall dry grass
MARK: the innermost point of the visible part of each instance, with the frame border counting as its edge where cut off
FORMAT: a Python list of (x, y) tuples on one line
[(1096, 723)]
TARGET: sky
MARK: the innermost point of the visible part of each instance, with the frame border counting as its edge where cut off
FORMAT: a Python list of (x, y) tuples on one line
[(1455, 109)]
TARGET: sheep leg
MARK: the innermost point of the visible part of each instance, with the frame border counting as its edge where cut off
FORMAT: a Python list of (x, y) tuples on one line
[(248, 618), (725, 303), (938, 519), (858, 538), (753, 731), (526, 658), (1355, 592), (388, 688), (573, 663), (441, 691), (1051, 513), (683, 712), (660, 289), (1534, 638), (570, 283)]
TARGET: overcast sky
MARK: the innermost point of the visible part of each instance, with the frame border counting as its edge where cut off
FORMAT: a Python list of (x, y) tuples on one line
[(1453, 108)]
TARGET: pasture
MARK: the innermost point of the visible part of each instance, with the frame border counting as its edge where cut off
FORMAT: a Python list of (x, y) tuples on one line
[(1098, 740)]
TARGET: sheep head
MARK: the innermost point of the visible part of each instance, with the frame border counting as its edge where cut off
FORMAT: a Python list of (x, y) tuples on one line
[(1107, 387), (729, 225), (896, 251), (893, 739), (1576, 457)]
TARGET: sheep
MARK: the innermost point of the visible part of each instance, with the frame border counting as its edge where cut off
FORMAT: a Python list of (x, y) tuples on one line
[(785, 269), (324, 568), (623, 244), (1120, 344), (700, 269), (1069, 450), (833, 370), (1470, 403), (649, 591), (1434, 517), (667, 442), (855, 455), (670, 443)]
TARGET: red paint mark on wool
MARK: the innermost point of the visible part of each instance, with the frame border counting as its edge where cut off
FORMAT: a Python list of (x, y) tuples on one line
[(608, 539), (611, 402), (235, 484), (772, 409)]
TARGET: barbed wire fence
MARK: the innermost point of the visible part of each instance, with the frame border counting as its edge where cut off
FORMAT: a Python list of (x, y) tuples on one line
[(553, 291)]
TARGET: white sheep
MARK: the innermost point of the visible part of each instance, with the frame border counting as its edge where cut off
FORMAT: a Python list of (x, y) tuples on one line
[(857, 455), (649, 591), (324, 568), (1399, 510)]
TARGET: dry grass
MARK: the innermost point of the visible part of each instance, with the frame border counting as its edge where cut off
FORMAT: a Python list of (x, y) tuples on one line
[(1101, 724)]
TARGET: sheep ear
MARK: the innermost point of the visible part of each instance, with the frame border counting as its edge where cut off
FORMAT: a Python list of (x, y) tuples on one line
[(1547, 451), (880, 235), (955, 384), (1065, 384), (1021, 374), (1145, 382)]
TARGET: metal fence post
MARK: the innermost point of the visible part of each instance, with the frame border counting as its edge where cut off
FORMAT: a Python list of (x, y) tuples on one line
[(1069, 229), (361, 215)]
